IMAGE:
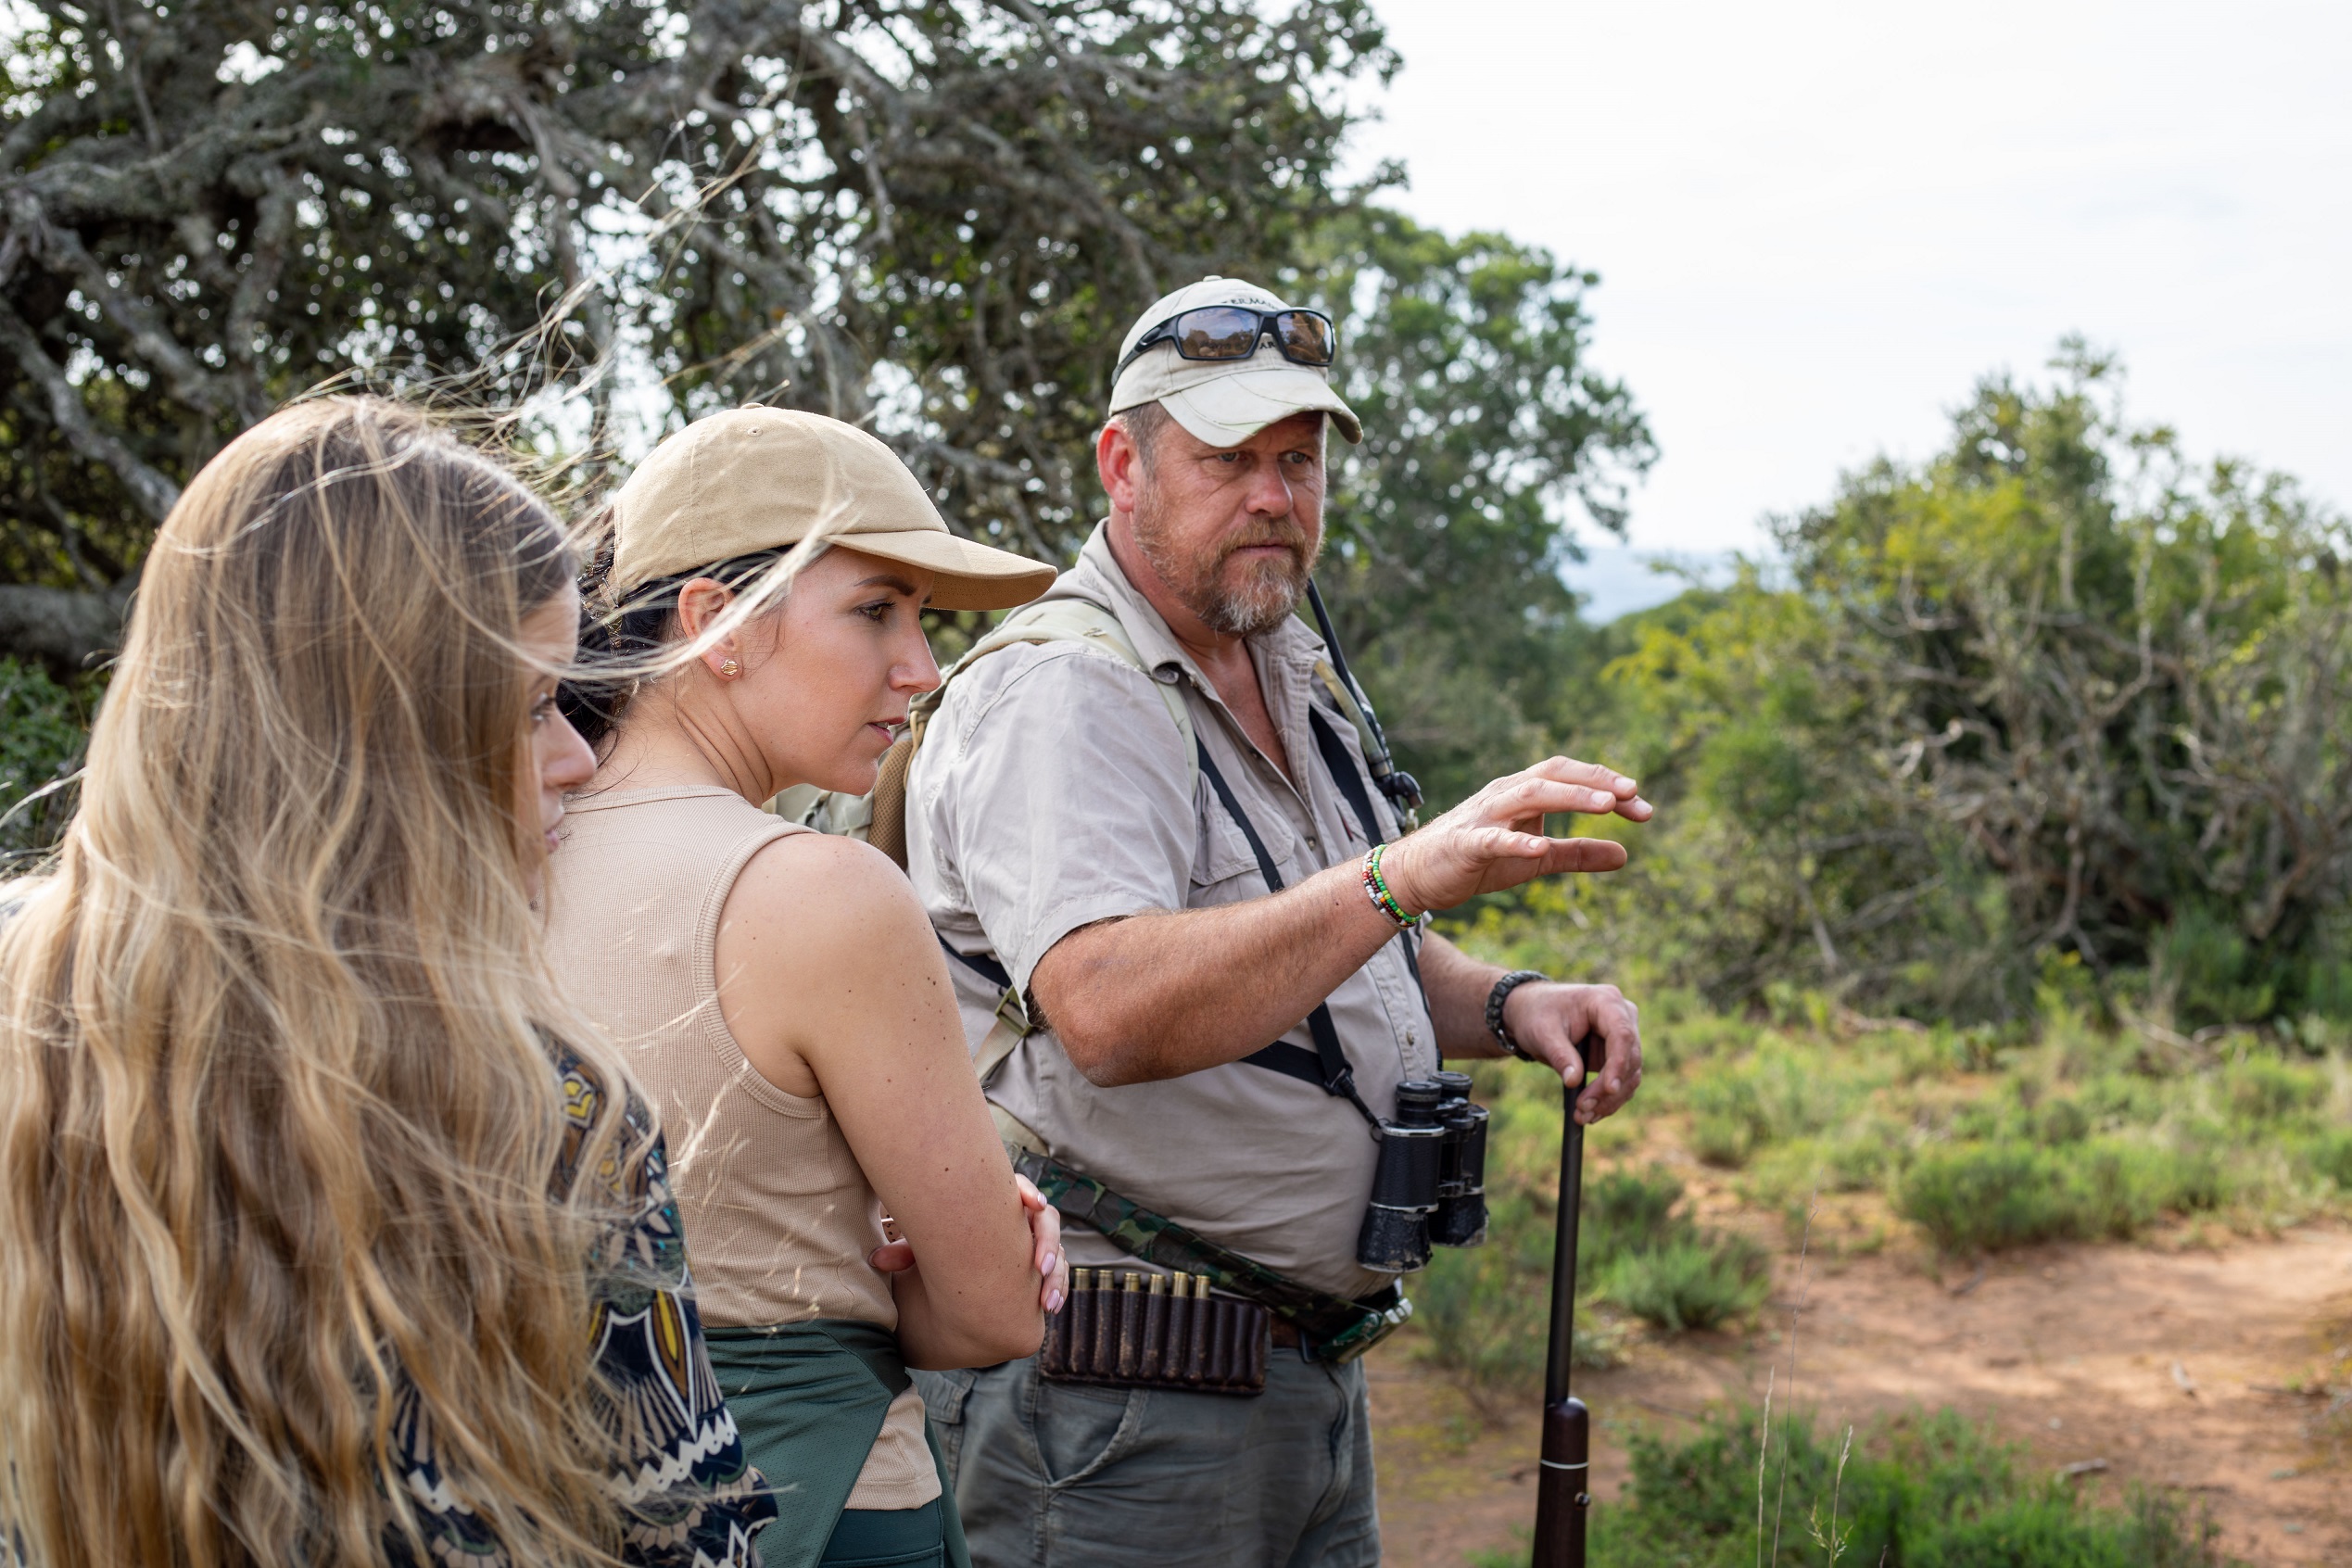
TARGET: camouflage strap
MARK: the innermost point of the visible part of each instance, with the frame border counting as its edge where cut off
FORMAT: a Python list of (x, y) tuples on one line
[(1335, 1328)]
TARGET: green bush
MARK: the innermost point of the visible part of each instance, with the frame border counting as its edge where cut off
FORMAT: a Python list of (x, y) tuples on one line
[(1690, 1280), (2050, 1531), (1776, 1093), (1979, 1196), (2261, 1089), (1623, 1209), (1924, 1491), (1485, 1311), (42, 730), (2329, 1154)]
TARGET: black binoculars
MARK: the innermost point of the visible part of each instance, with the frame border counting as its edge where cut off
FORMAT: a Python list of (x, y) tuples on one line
[(1431, 1185)]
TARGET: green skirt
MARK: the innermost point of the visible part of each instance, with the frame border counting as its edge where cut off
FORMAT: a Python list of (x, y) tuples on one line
[(809, 1399)]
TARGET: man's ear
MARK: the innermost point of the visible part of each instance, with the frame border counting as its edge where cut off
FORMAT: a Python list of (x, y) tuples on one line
[(1118, 461)]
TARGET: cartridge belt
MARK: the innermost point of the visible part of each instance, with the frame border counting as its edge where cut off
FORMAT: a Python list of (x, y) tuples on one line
[(1330, 1328), (1160, 1330)]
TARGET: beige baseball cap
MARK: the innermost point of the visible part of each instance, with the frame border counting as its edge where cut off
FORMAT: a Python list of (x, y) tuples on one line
[(758, 478), (1225, 402)]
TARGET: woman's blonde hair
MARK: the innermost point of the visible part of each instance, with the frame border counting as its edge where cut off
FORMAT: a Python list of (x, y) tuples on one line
[(279, 1121)]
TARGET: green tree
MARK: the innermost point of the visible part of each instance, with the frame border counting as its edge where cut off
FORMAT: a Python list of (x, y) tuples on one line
[(2057, 694), (936, 217), (1489, 438)]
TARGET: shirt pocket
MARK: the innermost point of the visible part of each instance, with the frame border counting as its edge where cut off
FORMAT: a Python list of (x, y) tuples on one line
[(1224, 869)]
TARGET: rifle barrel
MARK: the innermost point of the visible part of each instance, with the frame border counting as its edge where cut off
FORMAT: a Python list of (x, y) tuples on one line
[(1564, 1490)]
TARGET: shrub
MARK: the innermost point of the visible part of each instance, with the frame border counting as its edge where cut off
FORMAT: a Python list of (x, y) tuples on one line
[(2263, 1089), (2051, 1531), (2330, 1155), (1775, 1093), (41, 735), (1689, 1281), (1485, 1311), (1977, 1197), (1623, 1209), (1926, 1491)]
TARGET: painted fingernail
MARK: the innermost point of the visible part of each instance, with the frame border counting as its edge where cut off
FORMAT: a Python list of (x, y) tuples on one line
[(1051, 1258), (1052, 1301)]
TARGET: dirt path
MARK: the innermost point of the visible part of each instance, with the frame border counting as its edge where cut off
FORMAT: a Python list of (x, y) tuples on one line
[(2071, 1350)]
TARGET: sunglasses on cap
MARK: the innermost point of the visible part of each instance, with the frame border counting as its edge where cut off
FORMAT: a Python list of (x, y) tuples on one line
[(1232, 332)]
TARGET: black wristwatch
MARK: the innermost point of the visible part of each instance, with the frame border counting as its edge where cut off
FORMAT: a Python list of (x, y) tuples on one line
[(1495, 1000)]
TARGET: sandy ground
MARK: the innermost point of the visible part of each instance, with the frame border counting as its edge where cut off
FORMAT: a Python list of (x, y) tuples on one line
[(2174, 1366)]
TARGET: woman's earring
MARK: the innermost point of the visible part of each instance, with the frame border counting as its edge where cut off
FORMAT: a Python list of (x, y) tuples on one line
[(730, 669)]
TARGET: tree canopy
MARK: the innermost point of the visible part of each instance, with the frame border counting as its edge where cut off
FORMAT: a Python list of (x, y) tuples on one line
[(2056, 702), (1489, 442), (937, 217)]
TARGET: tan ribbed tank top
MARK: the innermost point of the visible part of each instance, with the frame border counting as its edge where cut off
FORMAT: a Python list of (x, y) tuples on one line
[(779, 1217)]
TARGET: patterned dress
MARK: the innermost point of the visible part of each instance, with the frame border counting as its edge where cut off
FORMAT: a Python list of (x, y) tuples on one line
[(689, 1498)]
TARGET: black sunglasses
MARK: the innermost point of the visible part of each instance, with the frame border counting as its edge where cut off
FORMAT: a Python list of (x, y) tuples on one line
[(1232, 332)]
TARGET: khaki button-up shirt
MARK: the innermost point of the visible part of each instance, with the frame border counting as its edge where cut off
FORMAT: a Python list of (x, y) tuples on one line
[(1053, 790)]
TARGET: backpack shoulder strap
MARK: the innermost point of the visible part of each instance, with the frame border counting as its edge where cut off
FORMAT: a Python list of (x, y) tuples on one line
[(1048, 620), (1060, 620)]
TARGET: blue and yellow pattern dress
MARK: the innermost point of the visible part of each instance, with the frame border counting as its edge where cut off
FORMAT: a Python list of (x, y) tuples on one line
[(688, 1497)]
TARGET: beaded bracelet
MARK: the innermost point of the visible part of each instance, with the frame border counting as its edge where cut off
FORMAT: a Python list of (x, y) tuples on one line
[(1376, 888)]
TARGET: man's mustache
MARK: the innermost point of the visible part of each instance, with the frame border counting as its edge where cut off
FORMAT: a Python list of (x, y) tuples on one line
[(1293, 540)]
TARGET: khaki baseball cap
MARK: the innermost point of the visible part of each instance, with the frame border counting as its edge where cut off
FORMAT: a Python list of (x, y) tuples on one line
[(1225, 402), (758, 478)]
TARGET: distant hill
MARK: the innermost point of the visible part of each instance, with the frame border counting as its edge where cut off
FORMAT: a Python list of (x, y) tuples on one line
[(1616, 580)]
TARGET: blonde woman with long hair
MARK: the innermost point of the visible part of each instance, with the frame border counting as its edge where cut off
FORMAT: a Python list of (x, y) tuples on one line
[(328, 1233)]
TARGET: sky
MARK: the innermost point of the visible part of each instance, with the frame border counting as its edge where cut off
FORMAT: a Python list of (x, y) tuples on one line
[(1818, 224)]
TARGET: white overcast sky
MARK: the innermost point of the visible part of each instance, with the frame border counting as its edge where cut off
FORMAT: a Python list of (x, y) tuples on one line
[(1817, 223)]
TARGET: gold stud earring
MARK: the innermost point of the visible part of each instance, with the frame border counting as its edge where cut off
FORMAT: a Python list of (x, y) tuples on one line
[(730, 669)]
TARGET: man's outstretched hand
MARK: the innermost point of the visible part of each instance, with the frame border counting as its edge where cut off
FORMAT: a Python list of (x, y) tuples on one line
[(1547, 1018), (1495, 839)]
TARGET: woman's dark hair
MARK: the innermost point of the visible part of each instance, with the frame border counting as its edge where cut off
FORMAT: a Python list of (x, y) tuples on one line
[(621, 636)]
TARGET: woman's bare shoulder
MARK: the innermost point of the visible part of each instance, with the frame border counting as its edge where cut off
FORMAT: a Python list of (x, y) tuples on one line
[(835, 899)]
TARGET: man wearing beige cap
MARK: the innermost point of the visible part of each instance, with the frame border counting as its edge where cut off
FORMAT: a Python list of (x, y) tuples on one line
[(1153, 844)]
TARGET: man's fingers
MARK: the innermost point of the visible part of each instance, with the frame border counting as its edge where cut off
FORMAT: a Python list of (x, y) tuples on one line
[(1567, 770), (893, 1258), (1583, 854), (1619, 1026), (1528, 797)]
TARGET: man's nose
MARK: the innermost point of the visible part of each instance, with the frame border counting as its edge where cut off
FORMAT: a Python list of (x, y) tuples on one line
[(1270, 493)]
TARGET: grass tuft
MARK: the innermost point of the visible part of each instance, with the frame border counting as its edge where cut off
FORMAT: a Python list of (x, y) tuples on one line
[(1924, 1491)]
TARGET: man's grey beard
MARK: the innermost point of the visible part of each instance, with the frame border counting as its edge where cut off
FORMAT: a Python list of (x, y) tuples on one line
[(1265, 597)]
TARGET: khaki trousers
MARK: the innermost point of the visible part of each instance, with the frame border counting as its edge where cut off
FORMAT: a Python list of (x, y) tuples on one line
[(1066, 1475)]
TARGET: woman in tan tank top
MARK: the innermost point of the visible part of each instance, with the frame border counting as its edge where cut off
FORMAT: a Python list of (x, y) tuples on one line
[(781, 992)]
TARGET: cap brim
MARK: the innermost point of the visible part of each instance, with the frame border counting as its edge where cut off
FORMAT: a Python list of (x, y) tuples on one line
[(1225, 410), (966, 575)]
